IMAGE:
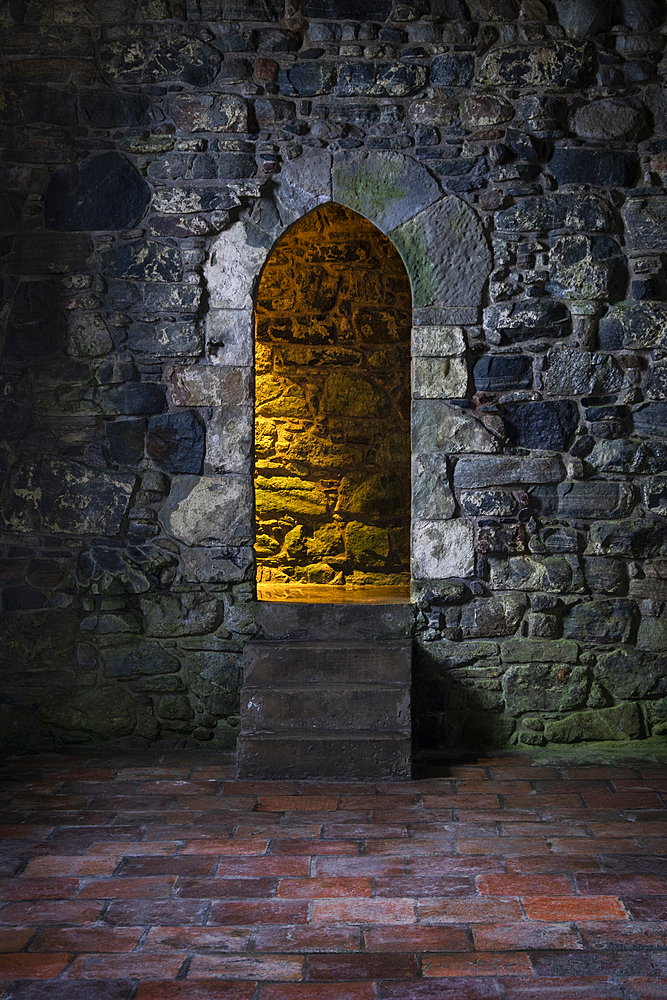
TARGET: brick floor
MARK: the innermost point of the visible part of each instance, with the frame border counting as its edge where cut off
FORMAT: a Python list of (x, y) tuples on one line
[(163, 878)]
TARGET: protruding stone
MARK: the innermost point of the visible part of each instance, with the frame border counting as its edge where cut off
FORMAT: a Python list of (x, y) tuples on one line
[(619, 723), (645, 221), (439, 378), (176, 441), (515, 322), (539, 687), (601, 621), (595, 498), (180, 59), (442, 549), (654, 495), (636, 326), (439, 427), (587, 267), (190, 613), (506, 470), (609, 120), (629, 673), (60, 497), (432, 498), (542, 425), (209, 112), (576, 165), (633, 539), (572, 372), (107, 712), (555, 211), (552, 574), (651, 419), (143, 260), (165, 340), (546, 64), (209, 510), (502, 373)]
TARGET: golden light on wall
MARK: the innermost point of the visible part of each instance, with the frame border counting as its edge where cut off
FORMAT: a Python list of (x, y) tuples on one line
[(332, 414)]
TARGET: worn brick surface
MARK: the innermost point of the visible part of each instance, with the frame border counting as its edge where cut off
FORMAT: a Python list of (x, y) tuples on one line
[(286, 915)]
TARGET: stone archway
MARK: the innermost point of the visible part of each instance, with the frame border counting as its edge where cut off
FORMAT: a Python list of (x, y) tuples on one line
[(443, 246)]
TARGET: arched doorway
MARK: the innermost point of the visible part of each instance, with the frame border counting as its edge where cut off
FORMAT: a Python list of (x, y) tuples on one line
[(332, 414)]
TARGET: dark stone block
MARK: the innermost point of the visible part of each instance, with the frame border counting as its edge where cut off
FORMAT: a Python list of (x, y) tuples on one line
[(46, 253), (651, 418), (549, 64), (110, 109), (355, 79), (103, 192), (586, 166), (125, 441), (347, 10), (15, 409), (605, 412), (524, 146), (177, 441), (584, 17), (643, 288), (311, 78), (277, 40), (36, 325), (140, 658), (53, 107), (236, 165), (143, 260), (452, 70), (601, 621), (23, 599), (503, 372), (542, 425), (641, 15), (137, 397)]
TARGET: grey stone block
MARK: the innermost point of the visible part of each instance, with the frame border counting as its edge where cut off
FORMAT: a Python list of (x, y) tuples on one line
[(595, 499), (387, 188), (506, 470), (645, 221), (354, 757), (439, 427), (337, 662)]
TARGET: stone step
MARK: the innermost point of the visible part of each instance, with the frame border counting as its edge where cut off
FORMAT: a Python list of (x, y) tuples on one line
[(325, 708), (384, 662), (349, 756)]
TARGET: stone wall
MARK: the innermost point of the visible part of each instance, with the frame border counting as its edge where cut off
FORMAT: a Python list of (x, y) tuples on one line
[(514, 153)]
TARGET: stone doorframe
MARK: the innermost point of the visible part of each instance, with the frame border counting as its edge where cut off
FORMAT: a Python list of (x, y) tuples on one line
[(446, 254)]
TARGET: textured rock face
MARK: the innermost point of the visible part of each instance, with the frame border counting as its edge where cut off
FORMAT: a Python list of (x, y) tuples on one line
[(514, 156)]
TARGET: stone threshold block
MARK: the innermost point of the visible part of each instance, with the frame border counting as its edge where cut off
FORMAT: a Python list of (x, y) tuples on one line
[(326, 710)]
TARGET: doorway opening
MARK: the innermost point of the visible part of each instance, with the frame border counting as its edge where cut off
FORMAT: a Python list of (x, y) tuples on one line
[(332, 415)]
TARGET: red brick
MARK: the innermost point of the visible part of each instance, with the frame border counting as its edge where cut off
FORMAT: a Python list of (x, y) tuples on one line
[(15, 938), (366, 911), (136, 966), (195, 989), (378, 801), (262, 788), (37, 888), (171, 787), (128, 888), (415, 845), (454, 988), (220, 939), (419, 939), (193, 865), (485, 964), (281, 968), (364, 831), (633, 863), (120, 850), (316, 991), (264, 865), (563, 988), (304, 939), (603, 799), (324, 888), (227, 888), (541, 801), (470, 910), (615, 934), (594, 845), (646, 907), (264, 911), (620, 885), (435, 866), (27, 966), (523, 885), (552, 863), (95, 939), (322, 968), (245, 830), (296, 803), (230, 848), (524, 935), (573, 908), (422, 885), (646, 989), (591, 963), (69, 911), (350, 866), (313, 846), (504, 845), (166, 912)]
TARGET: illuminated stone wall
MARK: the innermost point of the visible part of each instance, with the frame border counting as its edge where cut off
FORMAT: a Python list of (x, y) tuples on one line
[(332, 410)]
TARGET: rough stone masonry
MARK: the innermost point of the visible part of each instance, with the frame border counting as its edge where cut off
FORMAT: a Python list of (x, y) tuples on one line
[(515, 153)]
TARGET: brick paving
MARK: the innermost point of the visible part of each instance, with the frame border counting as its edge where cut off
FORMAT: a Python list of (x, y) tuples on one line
[(163, 878)]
